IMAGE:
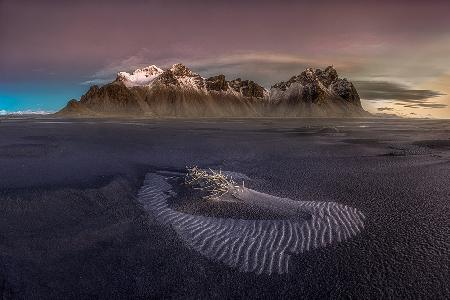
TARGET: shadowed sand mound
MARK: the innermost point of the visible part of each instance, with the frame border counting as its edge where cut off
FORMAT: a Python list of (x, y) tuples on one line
[(264, 245)]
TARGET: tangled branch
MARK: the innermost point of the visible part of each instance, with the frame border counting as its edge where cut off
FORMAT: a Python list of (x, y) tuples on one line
[(215, 184)]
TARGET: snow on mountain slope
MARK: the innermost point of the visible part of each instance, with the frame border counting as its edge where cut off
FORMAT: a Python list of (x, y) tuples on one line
[(315, 86), (180, 76), (140, 77), (186, 78)]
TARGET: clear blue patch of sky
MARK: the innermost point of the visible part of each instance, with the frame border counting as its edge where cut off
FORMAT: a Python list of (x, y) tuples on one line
[(38, 95)]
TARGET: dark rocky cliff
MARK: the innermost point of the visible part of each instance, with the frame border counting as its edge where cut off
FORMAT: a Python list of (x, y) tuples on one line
[(179, 92)]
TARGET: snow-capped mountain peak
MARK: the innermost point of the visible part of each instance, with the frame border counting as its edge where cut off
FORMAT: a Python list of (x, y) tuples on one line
[(316, 86), (181, 70), (180, 76), (140, 77), (150, 69)]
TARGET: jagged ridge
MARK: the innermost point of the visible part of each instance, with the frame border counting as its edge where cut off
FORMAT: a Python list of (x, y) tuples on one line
[(179, 92)]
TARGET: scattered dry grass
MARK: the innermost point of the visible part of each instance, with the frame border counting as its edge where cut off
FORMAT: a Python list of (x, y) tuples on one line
[(215, 184)]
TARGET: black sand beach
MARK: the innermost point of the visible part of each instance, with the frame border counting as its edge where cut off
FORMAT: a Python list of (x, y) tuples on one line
[(71, 225)]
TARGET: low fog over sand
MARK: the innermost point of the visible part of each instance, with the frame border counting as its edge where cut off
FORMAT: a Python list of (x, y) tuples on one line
[(73, 223)]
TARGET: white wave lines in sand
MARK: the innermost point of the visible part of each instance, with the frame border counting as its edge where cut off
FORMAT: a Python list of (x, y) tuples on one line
[(260, 246)]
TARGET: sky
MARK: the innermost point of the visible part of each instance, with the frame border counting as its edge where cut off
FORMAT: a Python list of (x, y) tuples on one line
[(395, 52)]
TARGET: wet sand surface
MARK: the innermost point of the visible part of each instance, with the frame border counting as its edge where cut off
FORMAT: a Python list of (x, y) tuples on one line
[(71, 225)]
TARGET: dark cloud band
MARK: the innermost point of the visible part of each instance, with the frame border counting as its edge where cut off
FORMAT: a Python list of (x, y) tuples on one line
[(406, 97), (383, 90), (385, 108)]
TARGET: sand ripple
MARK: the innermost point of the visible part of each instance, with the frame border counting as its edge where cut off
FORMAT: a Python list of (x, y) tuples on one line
[(260, 246)]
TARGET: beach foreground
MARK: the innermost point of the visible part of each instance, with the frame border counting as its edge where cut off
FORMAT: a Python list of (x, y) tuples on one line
[(72, 225)]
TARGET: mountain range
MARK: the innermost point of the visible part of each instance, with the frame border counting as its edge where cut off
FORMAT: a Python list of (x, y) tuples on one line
[(179, 92)]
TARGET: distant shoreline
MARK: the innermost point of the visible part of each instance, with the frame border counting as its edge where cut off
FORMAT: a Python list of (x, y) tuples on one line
[(54, 117)]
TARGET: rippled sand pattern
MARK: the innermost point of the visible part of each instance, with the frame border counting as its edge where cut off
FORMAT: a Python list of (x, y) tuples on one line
[(260, 246)]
